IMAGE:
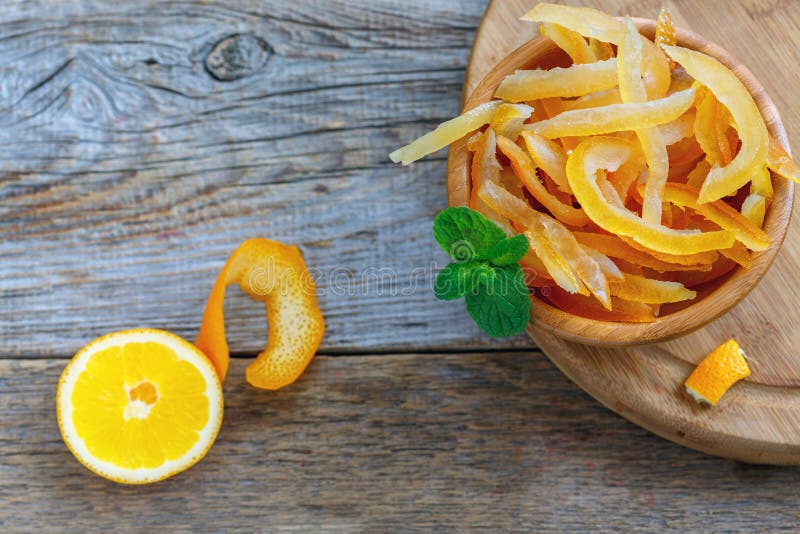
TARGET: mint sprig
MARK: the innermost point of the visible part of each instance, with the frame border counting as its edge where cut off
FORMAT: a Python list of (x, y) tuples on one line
[(486, 271)]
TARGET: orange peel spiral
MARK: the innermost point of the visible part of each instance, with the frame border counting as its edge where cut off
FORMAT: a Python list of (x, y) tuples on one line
[(275, 274)]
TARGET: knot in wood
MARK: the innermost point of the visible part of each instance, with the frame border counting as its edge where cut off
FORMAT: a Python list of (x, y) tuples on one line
[(237, 56)]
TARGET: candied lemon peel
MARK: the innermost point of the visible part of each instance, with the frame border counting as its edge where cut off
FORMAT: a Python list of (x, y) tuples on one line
[(638, 171)]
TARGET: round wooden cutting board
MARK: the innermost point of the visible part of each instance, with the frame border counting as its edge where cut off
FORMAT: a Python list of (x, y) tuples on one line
[(758, 420)]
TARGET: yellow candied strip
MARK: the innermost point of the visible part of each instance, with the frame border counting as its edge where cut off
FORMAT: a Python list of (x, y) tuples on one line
[(640, 289), (721, 214), (570, 42), (577, 80), (608, 153), (562, 240), (445, 134), (615, 117), (655, 150), (730, 92)]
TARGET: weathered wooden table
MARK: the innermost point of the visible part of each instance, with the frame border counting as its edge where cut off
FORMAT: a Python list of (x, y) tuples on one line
[(142, 140)]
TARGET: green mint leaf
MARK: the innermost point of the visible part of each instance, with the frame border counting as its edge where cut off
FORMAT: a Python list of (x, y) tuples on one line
[(458, 279), (454, 281), (501, 306), (509, 251), (465, 234)]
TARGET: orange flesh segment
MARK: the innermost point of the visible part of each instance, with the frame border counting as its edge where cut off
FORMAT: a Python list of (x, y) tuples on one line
[(275, 274), (718, 371)]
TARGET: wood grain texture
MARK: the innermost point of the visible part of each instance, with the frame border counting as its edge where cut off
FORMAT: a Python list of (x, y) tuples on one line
[(129, 171), (497, 441), (758, 421)]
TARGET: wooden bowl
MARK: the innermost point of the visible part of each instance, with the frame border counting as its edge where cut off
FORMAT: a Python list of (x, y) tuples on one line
[(712, 301)]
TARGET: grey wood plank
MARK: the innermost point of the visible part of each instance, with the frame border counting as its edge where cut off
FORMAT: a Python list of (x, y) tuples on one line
[(129, 171), (393, 442)]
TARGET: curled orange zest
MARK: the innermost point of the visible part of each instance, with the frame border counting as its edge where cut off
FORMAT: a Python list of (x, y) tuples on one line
[(607, 153), (718, 371), (276, 275)]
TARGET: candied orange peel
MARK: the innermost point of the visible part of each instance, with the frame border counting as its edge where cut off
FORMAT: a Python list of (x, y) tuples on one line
[(639, 170), (275, 274), (718, 371)]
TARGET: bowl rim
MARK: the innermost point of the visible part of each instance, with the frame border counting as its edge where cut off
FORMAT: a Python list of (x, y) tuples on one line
[(712, 305)]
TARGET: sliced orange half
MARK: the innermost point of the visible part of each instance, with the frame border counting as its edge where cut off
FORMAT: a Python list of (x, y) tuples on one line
[(139, 406)]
